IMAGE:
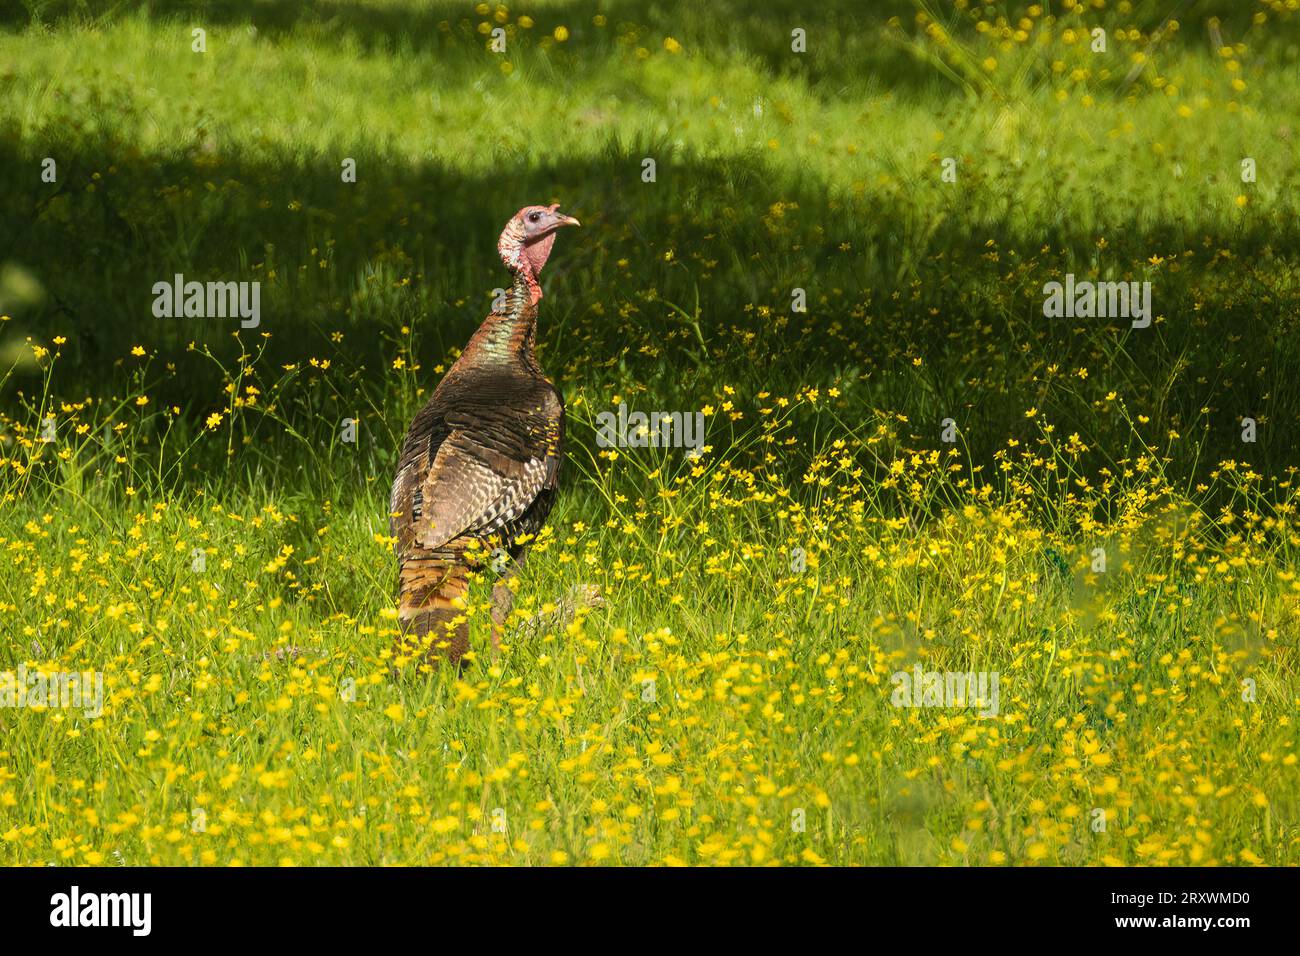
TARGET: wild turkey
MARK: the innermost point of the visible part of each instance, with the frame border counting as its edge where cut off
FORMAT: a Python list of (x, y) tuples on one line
[(481, 460)]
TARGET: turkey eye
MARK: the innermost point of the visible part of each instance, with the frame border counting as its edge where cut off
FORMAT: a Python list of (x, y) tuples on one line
[(534, 216)]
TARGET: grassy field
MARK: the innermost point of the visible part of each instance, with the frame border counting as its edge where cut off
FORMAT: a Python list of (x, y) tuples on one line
[(920, 470)]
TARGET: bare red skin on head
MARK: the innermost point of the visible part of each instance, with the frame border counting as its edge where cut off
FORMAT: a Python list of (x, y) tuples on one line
[(538, 251), (525, 254)]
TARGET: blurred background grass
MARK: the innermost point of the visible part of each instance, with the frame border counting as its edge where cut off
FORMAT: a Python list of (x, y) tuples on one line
[(776, 170)]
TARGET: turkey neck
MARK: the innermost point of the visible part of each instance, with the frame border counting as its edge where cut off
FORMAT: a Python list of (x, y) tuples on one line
[(507, 338)]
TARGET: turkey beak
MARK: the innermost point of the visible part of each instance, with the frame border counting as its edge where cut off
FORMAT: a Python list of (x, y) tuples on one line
[(562, 220)]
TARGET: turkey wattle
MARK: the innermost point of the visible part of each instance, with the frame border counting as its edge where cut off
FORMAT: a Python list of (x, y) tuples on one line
[(481, 460)]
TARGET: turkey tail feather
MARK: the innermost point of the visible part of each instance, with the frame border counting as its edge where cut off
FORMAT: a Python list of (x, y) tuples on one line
[(429, 605)]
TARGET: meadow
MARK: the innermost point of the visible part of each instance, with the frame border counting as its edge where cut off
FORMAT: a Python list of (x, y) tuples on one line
[(917, 469)]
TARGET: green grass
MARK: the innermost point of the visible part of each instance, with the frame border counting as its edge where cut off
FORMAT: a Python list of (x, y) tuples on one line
[(256, 711)]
